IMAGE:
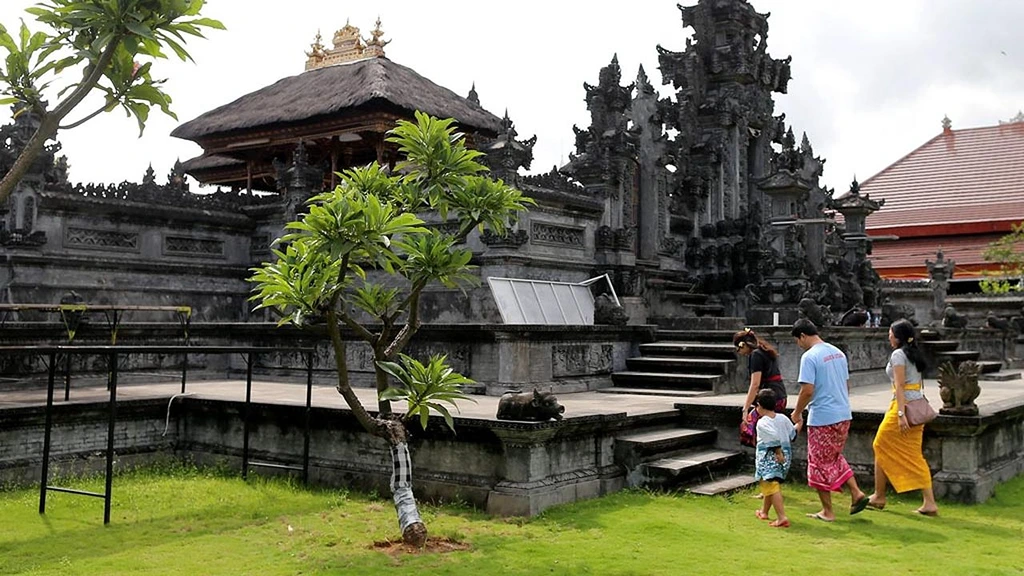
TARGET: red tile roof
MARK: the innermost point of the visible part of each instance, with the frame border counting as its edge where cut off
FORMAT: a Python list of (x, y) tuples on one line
[(905, 258), (974, 175)]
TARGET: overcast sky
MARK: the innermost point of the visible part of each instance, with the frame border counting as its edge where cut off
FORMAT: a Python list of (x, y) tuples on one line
[(872, 79)]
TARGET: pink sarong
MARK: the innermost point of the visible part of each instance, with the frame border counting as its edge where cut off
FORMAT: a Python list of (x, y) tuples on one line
[(827, 469)]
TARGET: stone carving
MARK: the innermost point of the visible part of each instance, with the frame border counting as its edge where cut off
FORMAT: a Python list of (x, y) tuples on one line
[(563, 236), (606, 311), (996, 323), (511, 239), (553, 180), (506, 154), (581, 360), (958, 388), (88, 238), (855, 316), (940, 273), (604, 238), (892, 312), (811, 310), (259, 244), (953, 319), (187, 246), (532, 406), (450, 228)]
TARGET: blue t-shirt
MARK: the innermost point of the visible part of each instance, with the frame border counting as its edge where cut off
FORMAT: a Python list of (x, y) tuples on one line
[(825, 367)]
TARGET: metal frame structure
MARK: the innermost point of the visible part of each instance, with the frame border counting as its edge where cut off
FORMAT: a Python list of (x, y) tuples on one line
[(53, 353), (550, 298)]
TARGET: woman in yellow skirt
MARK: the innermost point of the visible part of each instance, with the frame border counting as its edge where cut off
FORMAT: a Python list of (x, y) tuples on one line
[(898, 457)]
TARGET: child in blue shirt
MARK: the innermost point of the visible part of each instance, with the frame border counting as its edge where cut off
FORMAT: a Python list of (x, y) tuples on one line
[(773, 456)]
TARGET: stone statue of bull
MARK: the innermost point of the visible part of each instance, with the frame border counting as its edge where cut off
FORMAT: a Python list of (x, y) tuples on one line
[(534, 406)]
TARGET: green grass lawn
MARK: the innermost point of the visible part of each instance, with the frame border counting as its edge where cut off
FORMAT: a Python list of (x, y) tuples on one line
[(186, 521)]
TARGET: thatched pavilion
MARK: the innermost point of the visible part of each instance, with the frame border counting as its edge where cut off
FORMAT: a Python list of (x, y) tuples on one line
[(340, 108)]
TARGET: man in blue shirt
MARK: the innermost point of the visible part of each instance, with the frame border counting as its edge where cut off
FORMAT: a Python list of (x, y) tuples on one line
[(824, 389)]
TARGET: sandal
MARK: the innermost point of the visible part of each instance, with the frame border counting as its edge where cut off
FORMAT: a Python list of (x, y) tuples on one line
[(860, 505), (761, 515), (780, 524)]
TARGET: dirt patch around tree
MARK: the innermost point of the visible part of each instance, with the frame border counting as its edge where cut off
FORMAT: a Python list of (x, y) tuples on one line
[(433, 546)]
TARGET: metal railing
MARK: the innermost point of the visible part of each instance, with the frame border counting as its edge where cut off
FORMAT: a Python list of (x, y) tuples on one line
[(53, 353)]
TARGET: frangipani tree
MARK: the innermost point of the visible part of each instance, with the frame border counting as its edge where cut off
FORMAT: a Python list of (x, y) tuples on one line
[(362, 252), (104, 47)]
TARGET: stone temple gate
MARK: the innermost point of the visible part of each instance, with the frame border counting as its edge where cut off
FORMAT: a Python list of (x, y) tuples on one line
[(702, 203)]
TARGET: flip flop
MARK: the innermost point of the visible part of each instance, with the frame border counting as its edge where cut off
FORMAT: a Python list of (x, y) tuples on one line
[(929, 513), (860, 505), (818, 516), (760, 515), (874, 506), (783, 524)]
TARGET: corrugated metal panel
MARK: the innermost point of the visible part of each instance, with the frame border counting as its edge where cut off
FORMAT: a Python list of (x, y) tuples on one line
[(542, 302)]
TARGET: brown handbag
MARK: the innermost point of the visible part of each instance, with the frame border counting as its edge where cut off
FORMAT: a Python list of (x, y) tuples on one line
[(919, 412)]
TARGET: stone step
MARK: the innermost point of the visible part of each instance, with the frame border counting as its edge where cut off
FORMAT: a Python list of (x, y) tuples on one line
[(726, 485), (679, 364), (941, 345), (989, 366), (696, 335), (701, 323), (663, 380), (716, 310), (701, 349), (656, 392), (633, 448), (957, 356), (686, 297), (694, 463), (999, 376)]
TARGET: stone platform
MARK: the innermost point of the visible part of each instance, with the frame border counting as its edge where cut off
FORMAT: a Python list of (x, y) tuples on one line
[(507, 468)]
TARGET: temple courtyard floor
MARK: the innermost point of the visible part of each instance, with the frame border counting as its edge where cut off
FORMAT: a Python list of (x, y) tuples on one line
[(996, 396)]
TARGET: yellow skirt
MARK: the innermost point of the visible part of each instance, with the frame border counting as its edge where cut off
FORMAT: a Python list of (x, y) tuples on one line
[(899, 454)]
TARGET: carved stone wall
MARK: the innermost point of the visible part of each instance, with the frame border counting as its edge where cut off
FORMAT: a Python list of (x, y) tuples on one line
[(191, 246), (564, 236), (97, 239), (581, 359)]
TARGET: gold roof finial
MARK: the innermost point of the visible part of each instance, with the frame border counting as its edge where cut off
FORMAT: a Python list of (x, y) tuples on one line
[(348, 47), (316, 53), (375, 46)]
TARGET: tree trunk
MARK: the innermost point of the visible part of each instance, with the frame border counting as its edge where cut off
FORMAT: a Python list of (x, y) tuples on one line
[(47, 129), (414, 532)]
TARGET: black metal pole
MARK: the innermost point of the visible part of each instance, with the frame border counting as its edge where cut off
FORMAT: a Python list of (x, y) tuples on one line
[(245, 416), (184, 368), (309, 403), (67, 377), (110, 437), (46, 433)]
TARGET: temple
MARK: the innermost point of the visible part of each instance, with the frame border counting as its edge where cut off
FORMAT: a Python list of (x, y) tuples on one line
[(700, 204)]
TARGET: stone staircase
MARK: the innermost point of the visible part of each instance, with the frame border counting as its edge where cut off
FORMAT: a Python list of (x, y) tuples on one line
[(680, 458), (697, 361), (682, 294), (939, 351)]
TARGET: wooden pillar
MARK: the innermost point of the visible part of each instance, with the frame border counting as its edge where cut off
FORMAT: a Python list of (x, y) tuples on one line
[(380, 149), (248, 177), (334, 162)]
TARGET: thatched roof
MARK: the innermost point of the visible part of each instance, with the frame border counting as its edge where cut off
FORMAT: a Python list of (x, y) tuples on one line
[(207, 162), (333, 90)]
